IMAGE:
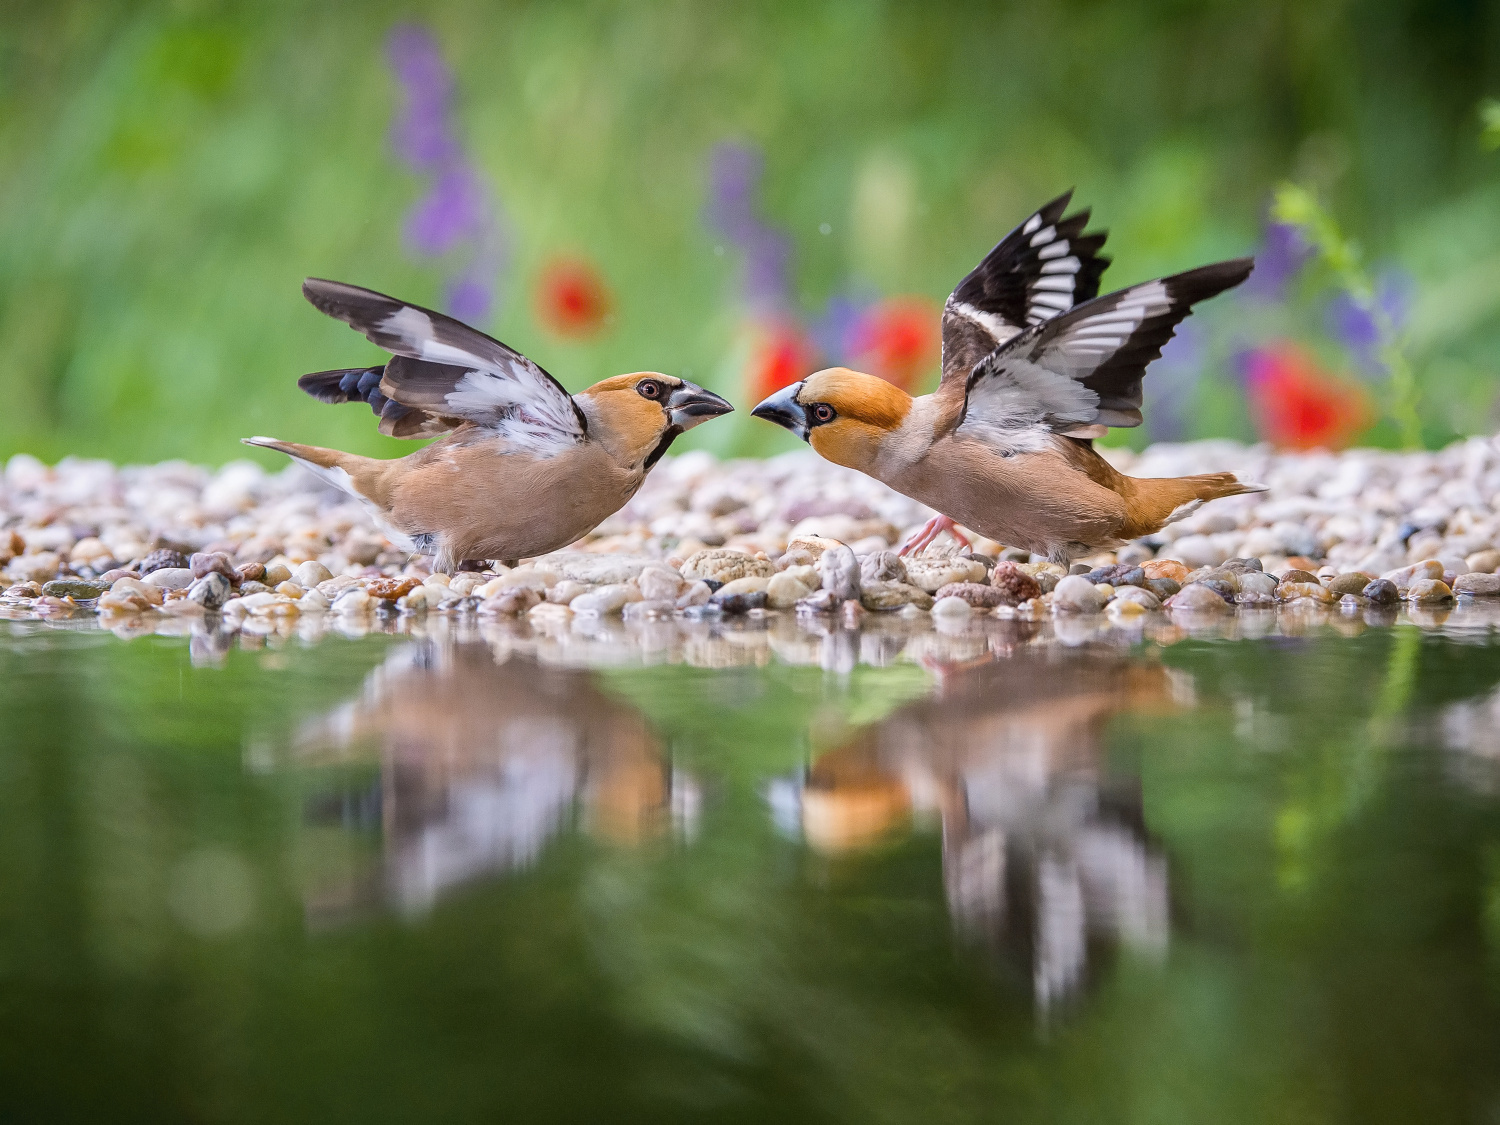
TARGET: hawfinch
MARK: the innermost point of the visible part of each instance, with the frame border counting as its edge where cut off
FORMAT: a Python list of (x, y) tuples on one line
[(522, 467), (1035, 366)]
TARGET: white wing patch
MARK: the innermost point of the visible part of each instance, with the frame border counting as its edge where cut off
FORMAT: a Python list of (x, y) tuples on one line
[(1015, 405), (415, 327), (526, 412), (1090, 342), (1052, 292), (996, 326)]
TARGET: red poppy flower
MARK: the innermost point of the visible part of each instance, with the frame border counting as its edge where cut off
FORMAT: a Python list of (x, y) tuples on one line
[(572, 298), (898, 340), (780, 354), (1298, 405)]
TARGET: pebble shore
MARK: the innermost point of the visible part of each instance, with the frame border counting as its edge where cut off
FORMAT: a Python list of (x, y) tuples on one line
[(786, 547)]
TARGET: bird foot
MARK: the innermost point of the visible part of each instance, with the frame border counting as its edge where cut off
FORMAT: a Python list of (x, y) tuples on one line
[(930, 531)]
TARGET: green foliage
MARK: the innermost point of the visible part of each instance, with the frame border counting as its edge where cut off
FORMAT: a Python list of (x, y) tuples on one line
[(172, 171), (1300, 208)]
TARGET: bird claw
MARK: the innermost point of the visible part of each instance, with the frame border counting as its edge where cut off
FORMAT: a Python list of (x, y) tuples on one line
[(930, 531)]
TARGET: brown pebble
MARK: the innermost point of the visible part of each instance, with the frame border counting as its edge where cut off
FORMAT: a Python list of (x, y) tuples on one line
[(978, 596), (389, 589), (162, 559), (1012, 584), (250, 572), (1352, 583), (1296, 575), (205, 563)]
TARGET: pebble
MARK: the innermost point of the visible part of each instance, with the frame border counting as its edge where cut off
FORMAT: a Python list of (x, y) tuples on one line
[(697, 523), (1014, 586), (1484, 562), (952, 606), (385, 589), (885, 596), (754, 584), (785, 590), (517, 600), (726, 566), (1478, 584), (932, 573), (1076, 594), (882, 566), (698, 594), (1352, 582), (73, 588), (212, 562), (1165, 568), (211, 590), (740, 603), (1197, 598), (1382, 591), (163, 559), (1135, 595), (1429, 590), (171, 577), (659, 583), (605, 600), (977, 595), (1258, 583), (1306, 591), (840, 573)]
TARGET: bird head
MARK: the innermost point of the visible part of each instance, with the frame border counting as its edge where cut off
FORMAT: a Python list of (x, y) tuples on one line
[(844, 415), (637, 416)]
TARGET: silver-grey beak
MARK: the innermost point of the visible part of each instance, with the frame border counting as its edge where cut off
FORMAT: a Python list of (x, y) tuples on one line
[(784, 409), (690, 404)]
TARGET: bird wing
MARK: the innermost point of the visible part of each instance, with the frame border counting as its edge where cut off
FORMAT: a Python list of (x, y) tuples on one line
[(1043, 268), (446, 373), (1080, 372)]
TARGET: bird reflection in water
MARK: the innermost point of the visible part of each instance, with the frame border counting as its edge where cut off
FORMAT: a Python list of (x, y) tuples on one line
[(1046, 860), (481, 764)]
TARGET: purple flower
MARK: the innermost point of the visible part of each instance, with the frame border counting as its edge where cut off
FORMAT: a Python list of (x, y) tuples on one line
[(1170, 384), (421, 133), (457, 217), (734, 173), (1283, 252), (837, 333), (1366, 327), (455, 209)]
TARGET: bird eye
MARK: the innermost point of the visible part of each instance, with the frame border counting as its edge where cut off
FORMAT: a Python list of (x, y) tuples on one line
[(822, 412), (649, 388)]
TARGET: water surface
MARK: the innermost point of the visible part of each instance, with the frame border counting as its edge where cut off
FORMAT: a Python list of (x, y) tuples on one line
[(748, 872)]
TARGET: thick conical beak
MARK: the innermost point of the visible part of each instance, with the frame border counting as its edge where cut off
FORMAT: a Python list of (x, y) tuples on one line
[(784, 409), (690, 404)]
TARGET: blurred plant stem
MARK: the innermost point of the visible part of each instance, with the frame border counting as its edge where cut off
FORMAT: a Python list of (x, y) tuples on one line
[(1298, 206)]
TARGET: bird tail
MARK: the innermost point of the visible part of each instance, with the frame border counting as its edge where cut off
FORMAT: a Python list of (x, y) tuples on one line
[(1155, 502), (346, 471)]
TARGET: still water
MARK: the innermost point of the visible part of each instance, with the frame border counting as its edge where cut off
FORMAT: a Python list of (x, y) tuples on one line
[(746, 873)]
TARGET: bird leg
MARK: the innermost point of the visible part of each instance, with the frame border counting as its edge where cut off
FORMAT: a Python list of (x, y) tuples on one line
[(930, 531)]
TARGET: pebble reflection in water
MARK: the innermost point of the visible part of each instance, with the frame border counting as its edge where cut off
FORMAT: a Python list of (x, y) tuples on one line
[(481, 764)]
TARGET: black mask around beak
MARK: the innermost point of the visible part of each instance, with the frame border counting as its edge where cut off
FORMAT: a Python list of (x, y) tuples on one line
[(784, 409)]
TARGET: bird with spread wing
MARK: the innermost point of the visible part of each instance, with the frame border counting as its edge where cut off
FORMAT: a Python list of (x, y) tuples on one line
[(520, 467), (1035, 366)]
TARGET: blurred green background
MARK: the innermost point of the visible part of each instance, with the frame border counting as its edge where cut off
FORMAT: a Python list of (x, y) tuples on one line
[(169, 172)]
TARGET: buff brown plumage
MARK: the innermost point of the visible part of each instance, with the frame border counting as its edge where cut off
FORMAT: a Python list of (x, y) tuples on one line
[(1035, 366), (520, 467)]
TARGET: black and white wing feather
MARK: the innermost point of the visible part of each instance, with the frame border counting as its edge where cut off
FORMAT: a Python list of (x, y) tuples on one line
[(1043, 268), (1080, 372), (445, 373)]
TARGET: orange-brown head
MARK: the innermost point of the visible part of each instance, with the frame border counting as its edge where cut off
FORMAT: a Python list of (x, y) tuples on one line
[(637, 416), (844, 415)]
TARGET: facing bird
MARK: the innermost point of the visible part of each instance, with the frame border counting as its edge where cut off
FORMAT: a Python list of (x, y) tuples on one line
[(521, 468), (1035, 366)]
